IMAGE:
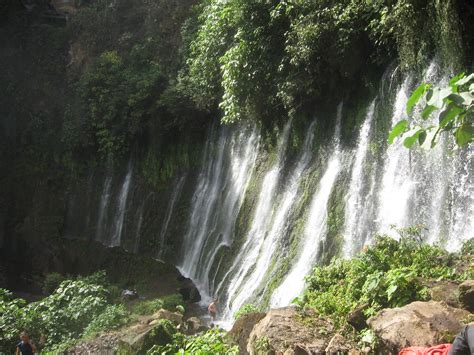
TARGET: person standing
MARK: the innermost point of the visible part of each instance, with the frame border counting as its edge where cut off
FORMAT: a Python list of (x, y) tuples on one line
[(212, 309), (24, 347)]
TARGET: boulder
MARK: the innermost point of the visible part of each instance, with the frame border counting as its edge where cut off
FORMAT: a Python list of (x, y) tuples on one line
[(341, 345), (139, 343), (446, 291), (357, 318), (242, 328), (466, 295), (282, 331), (189, 291), (194, 325), (417, 324), (174, 317)]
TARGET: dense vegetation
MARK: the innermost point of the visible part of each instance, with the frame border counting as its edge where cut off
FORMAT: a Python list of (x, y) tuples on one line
[(388, 274), (213, 341), (77, 309)]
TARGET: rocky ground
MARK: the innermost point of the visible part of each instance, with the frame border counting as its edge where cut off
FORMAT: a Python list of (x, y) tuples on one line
[(285, 331)]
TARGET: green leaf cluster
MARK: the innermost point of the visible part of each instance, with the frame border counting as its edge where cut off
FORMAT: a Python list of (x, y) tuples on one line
[(119, 96), (75, 309), (214, 341), (245, 309), (264, 58), (454, 104), (171, 303), (387, 274)]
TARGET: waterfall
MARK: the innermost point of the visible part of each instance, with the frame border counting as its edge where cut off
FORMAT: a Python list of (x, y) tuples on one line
[(169, 213), (384, 185), (103, 209), (120, 213), (461, 218), (397, 184), (275, 232), (355, 214), (139, 223), (315, 229), (248, 253), (226, 170)]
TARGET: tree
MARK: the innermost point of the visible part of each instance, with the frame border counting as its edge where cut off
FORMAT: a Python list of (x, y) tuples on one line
[(454, 103)]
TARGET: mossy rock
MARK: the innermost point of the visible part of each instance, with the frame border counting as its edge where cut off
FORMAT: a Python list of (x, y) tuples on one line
[(133, 343)]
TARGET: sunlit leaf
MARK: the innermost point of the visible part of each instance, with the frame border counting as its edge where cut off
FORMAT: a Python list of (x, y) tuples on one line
[(400, 128), (465, 80), (416, 96), (438, 95), (454, 81)]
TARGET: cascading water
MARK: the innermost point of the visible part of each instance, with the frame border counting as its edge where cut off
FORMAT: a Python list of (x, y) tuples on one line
[(103, 209), (315, 229), (226, 171), (385, 185), (178, 188), (275, 232), (122, 204), (263, 213), (355, 214), (397, 185)]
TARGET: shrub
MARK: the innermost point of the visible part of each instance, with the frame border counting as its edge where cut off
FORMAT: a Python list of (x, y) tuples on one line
[(171, 303), (58, 318), (113, 317), (246, 308), (214, 341), (51, 282), (387, 274)]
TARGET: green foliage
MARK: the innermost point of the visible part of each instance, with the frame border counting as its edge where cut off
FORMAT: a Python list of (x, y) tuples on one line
[(120, 95), (58, 318), (262, 345), (75, 309), (171, 303), (51, 282), (100, 278), (213, 341), (246, 308), (293, 51), (387, 274), (456, 113), (111, 318)]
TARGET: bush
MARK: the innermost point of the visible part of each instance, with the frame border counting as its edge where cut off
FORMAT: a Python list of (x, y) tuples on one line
[(112, 318), (58, 318), (388, 274), (214, 341), (51, 282), (246, 308), (171, 303)]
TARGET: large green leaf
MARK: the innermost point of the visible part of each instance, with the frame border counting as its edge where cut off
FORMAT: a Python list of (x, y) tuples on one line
[(464, 135), (438, 95), (453, 82), (410, 140), (416, 96), (449, 114), (465, 80), (400, 128), (428, 111)]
